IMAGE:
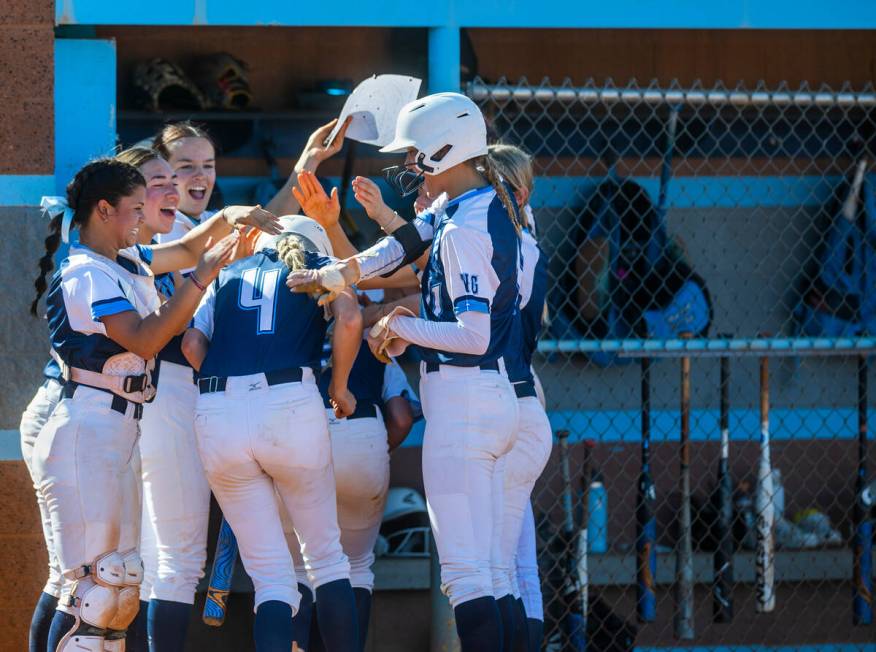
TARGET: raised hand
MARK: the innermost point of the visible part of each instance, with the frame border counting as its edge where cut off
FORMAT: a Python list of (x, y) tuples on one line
[(316, 149), (314, 202), (368, 194), (240, 216), (216, 256)]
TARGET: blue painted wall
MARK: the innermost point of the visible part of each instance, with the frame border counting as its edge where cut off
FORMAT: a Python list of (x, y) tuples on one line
[(684, 14)]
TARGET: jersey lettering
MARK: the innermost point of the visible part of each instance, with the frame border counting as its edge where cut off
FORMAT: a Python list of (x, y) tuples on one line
[(258, 291), (470, 282)]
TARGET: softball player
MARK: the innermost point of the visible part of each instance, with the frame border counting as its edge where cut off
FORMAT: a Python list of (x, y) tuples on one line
[(532, 447), (176, 495), (105, 329), (255, 346), (470, 319), (33, 419), (361, 443)]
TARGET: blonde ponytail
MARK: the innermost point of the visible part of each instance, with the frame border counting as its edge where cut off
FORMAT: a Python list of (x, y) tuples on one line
[(487, 169), (291, 251)]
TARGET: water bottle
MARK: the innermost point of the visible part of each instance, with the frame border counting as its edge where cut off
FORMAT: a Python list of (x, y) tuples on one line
[(597, 508)]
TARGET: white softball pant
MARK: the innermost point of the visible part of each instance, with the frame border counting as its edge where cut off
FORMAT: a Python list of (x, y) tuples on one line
[(471, 420), (522, 467), (86, 465), (33, 419), (360, 456), (528, 583), (256, 439), (176, 494)]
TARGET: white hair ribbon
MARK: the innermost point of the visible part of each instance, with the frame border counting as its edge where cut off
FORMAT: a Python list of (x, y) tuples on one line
[(55, 206)]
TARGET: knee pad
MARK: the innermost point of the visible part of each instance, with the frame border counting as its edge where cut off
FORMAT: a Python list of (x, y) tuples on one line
[(126, 611), (108, 570), (133, 565), (96, 604)]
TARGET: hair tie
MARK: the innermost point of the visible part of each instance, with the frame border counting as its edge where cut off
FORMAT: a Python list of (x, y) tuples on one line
[(55, 206)]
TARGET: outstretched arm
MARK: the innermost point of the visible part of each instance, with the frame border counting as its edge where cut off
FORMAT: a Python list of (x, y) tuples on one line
[(346, 339), (185, 252)]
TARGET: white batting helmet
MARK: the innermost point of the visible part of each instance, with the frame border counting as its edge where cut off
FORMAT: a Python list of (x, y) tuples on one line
[(310, 230), (445, 129)]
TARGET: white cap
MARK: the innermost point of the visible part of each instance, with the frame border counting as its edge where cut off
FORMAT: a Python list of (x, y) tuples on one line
[(445, 123), (309, 229)]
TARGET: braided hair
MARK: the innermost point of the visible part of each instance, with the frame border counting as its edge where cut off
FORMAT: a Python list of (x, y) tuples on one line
[(487, 169), (104, 178), (515, 166), (291, 250)]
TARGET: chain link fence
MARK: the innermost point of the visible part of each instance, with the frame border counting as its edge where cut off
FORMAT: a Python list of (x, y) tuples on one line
[(730, 235)]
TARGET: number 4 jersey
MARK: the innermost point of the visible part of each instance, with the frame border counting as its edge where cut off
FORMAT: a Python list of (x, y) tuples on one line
[(255, 324)]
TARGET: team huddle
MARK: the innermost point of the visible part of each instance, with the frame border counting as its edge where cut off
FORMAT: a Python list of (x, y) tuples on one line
[(252, 356)]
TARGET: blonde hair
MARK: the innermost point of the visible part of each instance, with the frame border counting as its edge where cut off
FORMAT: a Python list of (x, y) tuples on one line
[(138, 155), (514, 165), (292, 252), (485, 165)]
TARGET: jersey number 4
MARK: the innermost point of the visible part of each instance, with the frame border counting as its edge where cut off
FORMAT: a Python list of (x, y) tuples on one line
[(258, 291)]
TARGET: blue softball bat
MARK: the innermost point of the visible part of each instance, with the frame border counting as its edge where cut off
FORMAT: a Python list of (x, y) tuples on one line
[(215, 607)]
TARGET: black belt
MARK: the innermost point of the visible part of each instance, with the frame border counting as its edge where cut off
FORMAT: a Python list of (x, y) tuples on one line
[(363, 411), (486, 366), (118, 404), (525, 389), (217, 383)]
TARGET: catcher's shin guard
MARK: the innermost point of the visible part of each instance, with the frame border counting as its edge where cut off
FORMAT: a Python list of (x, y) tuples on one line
[(93, 602), (128, 603)]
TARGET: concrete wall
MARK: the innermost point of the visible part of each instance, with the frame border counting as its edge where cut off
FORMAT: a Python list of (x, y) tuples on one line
[(24, 344), (26, 87)]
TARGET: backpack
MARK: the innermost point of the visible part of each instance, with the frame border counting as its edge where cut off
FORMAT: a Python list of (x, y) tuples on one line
[(647, 289), (839, 296)]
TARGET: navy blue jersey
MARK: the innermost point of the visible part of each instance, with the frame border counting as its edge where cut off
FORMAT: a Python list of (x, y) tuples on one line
[(473, 266), (255, 324), (365, 382)]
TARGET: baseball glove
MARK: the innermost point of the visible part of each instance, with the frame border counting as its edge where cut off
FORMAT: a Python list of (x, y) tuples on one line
[(224, 80), (385, 344), (161, 85)]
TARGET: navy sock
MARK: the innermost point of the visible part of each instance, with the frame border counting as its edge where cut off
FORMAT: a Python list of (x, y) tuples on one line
[(61, 624), (338, 624), (521, 632), (363, 611), (513, 624), (41, 621), (316, 644), (301, 620), (273, 627), (535, 630), (167, 624), (479, 625), (136, 639)]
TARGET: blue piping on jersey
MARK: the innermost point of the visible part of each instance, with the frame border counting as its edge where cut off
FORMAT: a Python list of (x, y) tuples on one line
[(470, 303), (469, 194), (106, 307)]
